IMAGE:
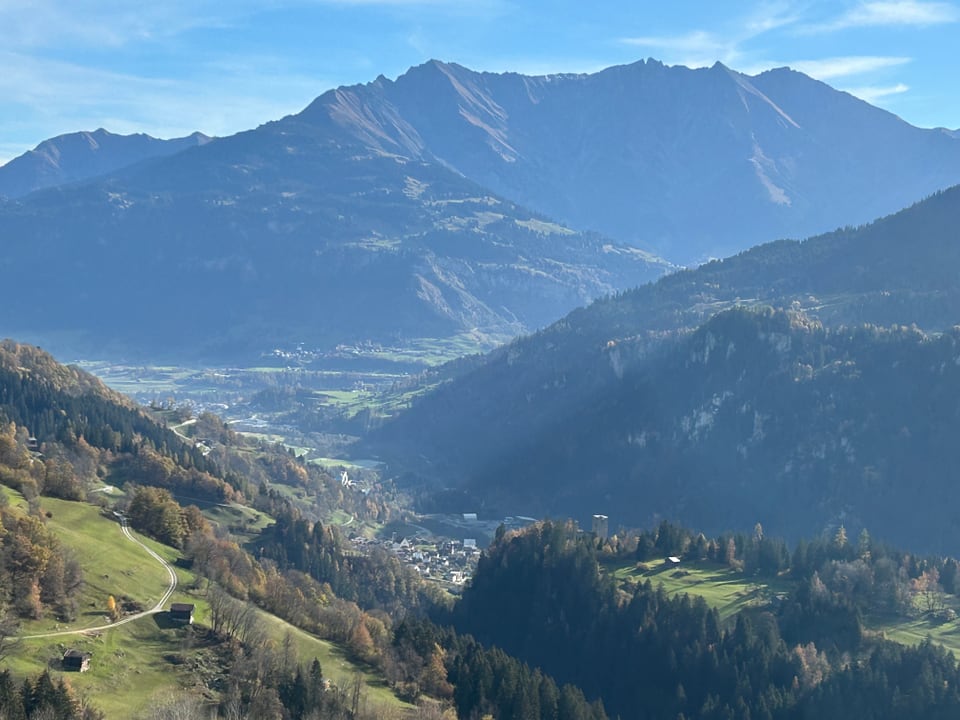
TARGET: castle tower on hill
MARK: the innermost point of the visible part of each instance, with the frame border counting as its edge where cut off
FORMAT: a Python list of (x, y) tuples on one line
[(601, 526)]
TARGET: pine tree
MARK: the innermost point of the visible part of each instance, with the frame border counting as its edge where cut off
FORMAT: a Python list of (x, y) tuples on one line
[(840, 539)]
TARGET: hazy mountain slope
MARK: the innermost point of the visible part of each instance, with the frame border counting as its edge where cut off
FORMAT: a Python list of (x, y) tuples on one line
[(399, 209), (83, 155), (691, 163), (532, 427), (289, 234), (754, 418), (60, 403)]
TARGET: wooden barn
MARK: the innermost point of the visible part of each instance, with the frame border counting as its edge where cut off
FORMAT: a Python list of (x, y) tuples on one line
[(76, 660), (182, 613)]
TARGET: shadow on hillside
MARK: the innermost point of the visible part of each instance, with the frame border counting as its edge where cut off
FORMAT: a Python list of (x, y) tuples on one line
[(164, 621)]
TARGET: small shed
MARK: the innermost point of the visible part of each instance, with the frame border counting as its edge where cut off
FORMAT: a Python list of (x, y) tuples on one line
[(76, 660), (673, 561), (182, 613)]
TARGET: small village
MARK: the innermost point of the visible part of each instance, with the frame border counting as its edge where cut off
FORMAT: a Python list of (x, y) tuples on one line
[(448, 562)]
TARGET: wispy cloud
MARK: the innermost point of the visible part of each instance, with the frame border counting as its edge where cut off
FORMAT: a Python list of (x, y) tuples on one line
[(886, 13), (698, 48), (693, 49), (104, 23), (694, 41), (767, 17), (838, 67), (158, 106), (872, 94)]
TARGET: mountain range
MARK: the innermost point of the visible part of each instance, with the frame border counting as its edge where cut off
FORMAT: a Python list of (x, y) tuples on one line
[(689, 164), (283, 235), (442, 203)]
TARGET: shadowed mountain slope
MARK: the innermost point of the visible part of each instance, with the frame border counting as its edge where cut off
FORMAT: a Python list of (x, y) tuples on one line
[(289, 234), (621, 408)]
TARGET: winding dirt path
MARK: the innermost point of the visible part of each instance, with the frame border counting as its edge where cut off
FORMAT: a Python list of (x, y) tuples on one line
[(125, 529)]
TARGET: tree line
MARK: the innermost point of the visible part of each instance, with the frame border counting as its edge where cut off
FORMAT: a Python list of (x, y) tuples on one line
[(540, 596)]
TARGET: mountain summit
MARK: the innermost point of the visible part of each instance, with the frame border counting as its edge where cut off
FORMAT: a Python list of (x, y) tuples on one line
[(84, 155), (444, 202), (690, 164)]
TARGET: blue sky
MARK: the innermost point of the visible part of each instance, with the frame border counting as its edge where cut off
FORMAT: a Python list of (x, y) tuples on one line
[(176, 66)]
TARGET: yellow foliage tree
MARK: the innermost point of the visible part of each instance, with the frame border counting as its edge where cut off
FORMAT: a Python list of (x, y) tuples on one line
[(112, 608), (433, 679)]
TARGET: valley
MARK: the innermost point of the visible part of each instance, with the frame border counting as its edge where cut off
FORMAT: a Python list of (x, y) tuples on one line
[(474, 395)]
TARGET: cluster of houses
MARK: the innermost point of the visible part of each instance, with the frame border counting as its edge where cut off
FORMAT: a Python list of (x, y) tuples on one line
[(451, 562)]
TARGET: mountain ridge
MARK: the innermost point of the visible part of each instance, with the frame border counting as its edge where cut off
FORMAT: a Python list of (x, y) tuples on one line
[(285, 222), (83, 155), (446, 202), (588, 150)]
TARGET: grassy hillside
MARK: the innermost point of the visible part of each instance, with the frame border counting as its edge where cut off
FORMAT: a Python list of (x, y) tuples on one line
[(725, 590), (729, 592), (135, 662)]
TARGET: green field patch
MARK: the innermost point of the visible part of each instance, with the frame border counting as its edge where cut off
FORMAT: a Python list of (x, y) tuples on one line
[(244, 523), (339, 517), (344, 398), (128, 667), (336, 666), (266, 437), (727, 591), (134, 664), (913, 631), (329, 463), (112, 565), (276, 439), (289, 493), (13, 498)]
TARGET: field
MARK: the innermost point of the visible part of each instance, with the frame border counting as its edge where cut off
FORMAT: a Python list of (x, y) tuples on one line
[(243, 522), (134, 663), (729, 592), (723, 589), (344, 367)]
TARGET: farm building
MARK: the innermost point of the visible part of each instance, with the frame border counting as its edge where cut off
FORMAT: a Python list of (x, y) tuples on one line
[(182, 613), (76, 660)]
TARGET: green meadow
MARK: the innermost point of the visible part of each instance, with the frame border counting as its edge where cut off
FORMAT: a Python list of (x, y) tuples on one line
[(728, 591), (135, 663)]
